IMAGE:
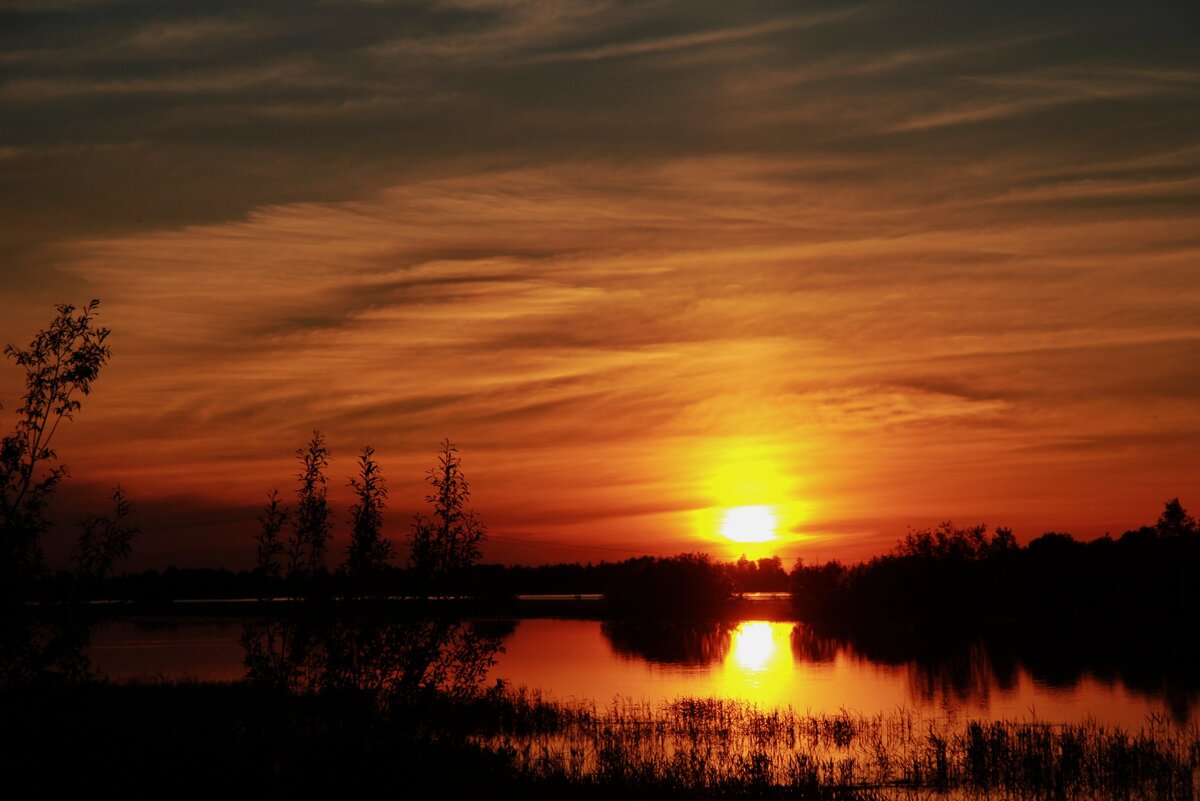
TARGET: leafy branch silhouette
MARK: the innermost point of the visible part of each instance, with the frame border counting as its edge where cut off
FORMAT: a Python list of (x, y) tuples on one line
[(60, 365)]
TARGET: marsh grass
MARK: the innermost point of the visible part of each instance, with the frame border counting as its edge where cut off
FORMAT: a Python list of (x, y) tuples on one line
[(731, 748), (203, 740)]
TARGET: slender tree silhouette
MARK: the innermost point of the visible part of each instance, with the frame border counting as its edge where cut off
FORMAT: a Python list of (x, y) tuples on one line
[(60, 364), (369, 552), (312, 526), (270, 537), (446, 544)]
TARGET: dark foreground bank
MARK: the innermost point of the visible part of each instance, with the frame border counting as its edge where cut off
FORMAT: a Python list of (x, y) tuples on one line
[(236, 740)]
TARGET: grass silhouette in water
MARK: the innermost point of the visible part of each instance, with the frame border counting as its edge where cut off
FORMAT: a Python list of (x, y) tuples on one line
[(277, 744), (731, 748)]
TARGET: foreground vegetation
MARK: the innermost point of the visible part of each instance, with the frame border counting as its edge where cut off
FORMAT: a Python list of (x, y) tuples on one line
[(736, 748), (198, 738)]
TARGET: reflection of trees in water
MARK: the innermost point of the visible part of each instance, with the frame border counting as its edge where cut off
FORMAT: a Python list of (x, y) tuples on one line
[(967, 673), (956, 667), (1152, 663), (967, 667), (689, 644), (370, 650), (810, 646), (950, 666)]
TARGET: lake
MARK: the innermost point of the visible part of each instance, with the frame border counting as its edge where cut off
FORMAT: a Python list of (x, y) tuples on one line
[(768, 662)]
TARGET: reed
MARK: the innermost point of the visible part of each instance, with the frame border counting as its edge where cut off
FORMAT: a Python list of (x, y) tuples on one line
[(275, 744), (732, 748)]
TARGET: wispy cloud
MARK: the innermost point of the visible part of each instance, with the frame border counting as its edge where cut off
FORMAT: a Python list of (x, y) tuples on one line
[(914, 258), (519, 308), (697, 39)]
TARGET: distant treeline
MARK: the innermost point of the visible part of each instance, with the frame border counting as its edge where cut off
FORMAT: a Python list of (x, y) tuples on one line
[(690, 580), (948, 577), (933, 581)]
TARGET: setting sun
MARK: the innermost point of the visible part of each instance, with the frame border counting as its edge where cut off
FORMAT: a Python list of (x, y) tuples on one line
[(755, 497), (749, 524)]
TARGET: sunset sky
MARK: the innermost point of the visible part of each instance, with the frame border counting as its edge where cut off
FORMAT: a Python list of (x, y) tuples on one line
[(870, 266)]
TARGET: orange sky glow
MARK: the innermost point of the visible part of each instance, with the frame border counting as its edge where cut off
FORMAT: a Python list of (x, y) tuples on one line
[(641, 270)]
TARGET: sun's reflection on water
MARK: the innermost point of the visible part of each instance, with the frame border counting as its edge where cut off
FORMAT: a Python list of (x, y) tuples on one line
[(760, 661), (753, 646)]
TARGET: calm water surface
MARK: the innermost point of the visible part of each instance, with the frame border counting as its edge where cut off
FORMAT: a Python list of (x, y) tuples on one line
[(770, 663)]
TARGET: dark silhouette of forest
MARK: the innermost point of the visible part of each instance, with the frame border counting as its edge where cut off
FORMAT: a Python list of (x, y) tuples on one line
[(940, 581)]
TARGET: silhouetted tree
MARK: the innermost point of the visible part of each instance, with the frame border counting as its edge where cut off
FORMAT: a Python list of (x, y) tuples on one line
[(445, 544), (1003, 544), (369, 552), (436, 653), (1175, 521), (270, 537), (273, 654), (361, 644), (60, 365), (105, 539), (284, 650), (764, 575), (949, 542), (311, 525), (268, 644)]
